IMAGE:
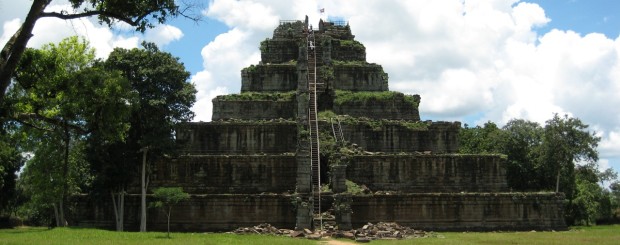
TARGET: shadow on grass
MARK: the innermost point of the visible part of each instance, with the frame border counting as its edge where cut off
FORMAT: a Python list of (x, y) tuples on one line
[(25, 230)]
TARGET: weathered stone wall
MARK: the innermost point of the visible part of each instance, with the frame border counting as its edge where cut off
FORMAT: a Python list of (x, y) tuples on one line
[(269, 78), (427, 211), (237, 137), (253, 110), (429, 173), (336, 30), (360, 78), (228, 173), (275, 51), (213, 212), (289, 30), (394, 109), (440, 137), (463, 211)]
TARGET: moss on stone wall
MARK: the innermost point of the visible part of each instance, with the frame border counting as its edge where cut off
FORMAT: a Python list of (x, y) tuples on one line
[(343, 97), (257, 96), (353, 44), (358, 63), (376, 124)]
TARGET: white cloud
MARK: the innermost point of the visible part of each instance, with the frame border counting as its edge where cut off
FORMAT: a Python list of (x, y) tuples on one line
[(610, 144), (8, 29), (163, 35), (207, 90)]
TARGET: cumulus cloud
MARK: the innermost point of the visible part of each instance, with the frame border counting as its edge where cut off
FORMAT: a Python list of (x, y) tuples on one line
[(8, 29), (163, 35)]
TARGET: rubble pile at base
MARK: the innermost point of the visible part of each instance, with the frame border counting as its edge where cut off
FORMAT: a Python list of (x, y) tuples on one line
[(381, 230)]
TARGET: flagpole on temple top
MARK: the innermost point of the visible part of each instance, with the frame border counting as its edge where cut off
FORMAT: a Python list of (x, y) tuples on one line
[(322, 14)]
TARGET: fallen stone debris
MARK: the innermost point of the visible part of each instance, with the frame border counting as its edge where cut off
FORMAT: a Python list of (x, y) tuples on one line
[(367, 233)]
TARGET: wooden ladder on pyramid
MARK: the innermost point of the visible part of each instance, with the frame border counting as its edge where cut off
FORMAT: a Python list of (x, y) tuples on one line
[(313, 123), (337, 129)]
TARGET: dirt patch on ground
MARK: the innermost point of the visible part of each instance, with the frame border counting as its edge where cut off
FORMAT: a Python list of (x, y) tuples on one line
[(336, 242)]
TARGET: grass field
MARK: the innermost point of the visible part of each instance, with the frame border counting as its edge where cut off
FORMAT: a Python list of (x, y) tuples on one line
[(577, 235)]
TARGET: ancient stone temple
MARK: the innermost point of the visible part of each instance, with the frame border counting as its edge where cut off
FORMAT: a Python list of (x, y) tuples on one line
[(316, 138)]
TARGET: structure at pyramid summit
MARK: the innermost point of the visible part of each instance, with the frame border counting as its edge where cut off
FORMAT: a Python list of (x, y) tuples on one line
[(316, 139)]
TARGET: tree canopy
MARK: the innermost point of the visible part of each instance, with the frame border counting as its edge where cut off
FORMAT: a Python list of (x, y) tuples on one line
[(141, 14), (62, 95), (559, 156)]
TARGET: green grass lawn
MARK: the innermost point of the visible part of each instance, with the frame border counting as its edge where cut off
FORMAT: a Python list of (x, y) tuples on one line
[(577, 235), (94, 236)]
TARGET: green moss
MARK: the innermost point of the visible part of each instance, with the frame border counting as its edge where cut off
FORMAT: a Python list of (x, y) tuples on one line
[(353, 188), (344, 97), (251, 68), (375, 124), (358, 63), (257, 96), (264, 46), (326, 73), (352, 44), (326, 115)]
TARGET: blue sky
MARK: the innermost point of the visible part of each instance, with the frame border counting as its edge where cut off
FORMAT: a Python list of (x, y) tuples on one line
[(471, 61)]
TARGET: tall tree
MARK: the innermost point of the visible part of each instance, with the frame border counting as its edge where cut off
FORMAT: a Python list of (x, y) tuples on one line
[(62, 93), (164, 99), (45, 181), (567, 141), (521, 146), (140, 14)]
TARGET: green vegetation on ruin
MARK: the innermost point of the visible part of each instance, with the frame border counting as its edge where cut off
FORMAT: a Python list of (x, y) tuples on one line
[(366, 97), (355, 63), (258, 96), (265, 67), (353, 188), (352, 44), (264, 46), (358, 63), (375, 124), (326, 73)]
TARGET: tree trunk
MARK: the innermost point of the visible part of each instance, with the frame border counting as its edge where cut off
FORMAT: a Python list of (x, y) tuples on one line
[(65, 174), (118, 204), (169, 210), (115, 210), (557, 182), (119, 208), (122, 209), (56, 215), (61, 212), (143, 194), (14, 48)]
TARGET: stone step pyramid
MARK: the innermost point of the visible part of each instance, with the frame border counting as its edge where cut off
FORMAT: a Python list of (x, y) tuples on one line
[(251, 164)]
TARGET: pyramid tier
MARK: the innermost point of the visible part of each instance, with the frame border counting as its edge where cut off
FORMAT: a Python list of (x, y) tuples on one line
[(342, 75), (202, 174), (462, 211), (418, 173), (238, 137), (374, 105)]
